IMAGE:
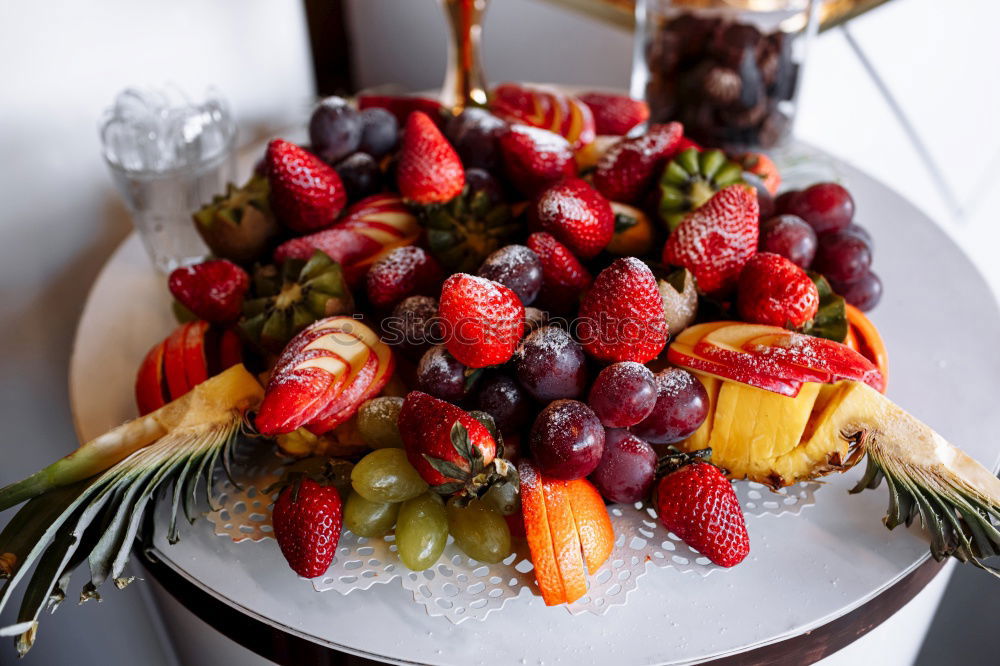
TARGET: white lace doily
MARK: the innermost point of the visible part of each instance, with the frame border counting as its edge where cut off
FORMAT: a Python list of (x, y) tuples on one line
[(460, 588)]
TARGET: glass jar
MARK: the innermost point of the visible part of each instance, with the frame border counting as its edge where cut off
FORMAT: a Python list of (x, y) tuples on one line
[(727, 69)]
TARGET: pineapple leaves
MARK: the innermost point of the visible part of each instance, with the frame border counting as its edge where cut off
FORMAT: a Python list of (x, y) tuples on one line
[(962, 520), (96, 520)]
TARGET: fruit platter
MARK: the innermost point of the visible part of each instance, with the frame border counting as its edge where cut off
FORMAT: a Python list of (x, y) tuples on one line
[(431, 342)]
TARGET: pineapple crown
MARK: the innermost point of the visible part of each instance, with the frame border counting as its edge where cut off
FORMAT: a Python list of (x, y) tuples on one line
[(462, 232)]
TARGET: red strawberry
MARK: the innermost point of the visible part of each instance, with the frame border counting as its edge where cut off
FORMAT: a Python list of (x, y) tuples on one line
[(774, 291), (763, 167), (563, 276), (403, 272), (483, 320), (535, 158), (615, 114), (429, 170), (439, 430), (577, 215), (626, 170), (715, 241), (402, 106), (621, 317), (698, 504), (307, 519), (306, 193), (212, 290)]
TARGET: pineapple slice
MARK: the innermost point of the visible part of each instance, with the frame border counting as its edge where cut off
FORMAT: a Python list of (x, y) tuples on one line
[(754, 430)]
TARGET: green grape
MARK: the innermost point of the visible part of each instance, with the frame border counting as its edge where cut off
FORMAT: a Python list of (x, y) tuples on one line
[(386, 475), (421, 531), (503, 498), (377, 422), (369, 519), (479, 531)]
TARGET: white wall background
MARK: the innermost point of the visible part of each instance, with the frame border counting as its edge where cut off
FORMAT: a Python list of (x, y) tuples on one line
[(61, 62)]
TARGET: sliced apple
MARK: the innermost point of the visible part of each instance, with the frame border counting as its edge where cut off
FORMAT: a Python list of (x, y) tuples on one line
[(174, 363), (368, 384), (195, 363), (818, 354), (685, 356), (693, 334), (149, 382), (725, 344)]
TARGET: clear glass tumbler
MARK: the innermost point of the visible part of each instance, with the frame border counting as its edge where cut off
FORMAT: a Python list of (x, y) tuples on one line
[(727, 69), (168, 157)]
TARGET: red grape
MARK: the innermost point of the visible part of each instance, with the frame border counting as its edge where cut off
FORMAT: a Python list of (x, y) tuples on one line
[(475, 133), (825, 206), (334, 129), (442, 375), (790, 237), (517, 268), (842, 256), (784, 200), (379, 132), (502, 398), (864, 293), (681, 407), (567, 440), (551, 365), (861, 233), (627, 468), (623, 394)]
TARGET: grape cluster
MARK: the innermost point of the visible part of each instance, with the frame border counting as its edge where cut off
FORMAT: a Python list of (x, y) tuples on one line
[(815, 229)]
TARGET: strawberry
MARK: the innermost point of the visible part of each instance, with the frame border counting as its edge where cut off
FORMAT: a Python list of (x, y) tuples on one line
[(535, 158), (774, 291), (697, 503), (403, 272), (577, 215), (615, 114), (763, 167), (212, 290), (621, 317), (307, 519), (717, 239), (483, 320), (306, 193), (626, 170), (444, 443), (429, 169), (563, 276)]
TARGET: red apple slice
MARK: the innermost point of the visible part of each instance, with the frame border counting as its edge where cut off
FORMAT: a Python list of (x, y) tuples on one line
[(725, 345), (368, 384), (685, 356), (693, 334), (174, 363), (149, 382), (817, 354), (195, 365), (230, 350)]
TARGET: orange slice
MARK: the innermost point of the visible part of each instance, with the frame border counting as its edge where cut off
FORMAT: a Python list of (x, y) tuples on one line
[(565, 539), (536, 527), (869, 341), (593, 524)]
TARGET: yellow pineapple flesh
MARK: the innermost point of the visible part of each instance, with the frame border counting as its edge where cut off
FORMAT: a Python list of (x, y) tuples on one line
[(753, 431)]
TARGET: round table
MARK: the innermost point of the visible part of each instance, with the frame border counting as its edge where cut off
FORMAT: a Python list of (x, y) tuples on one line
[(812, 584)]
